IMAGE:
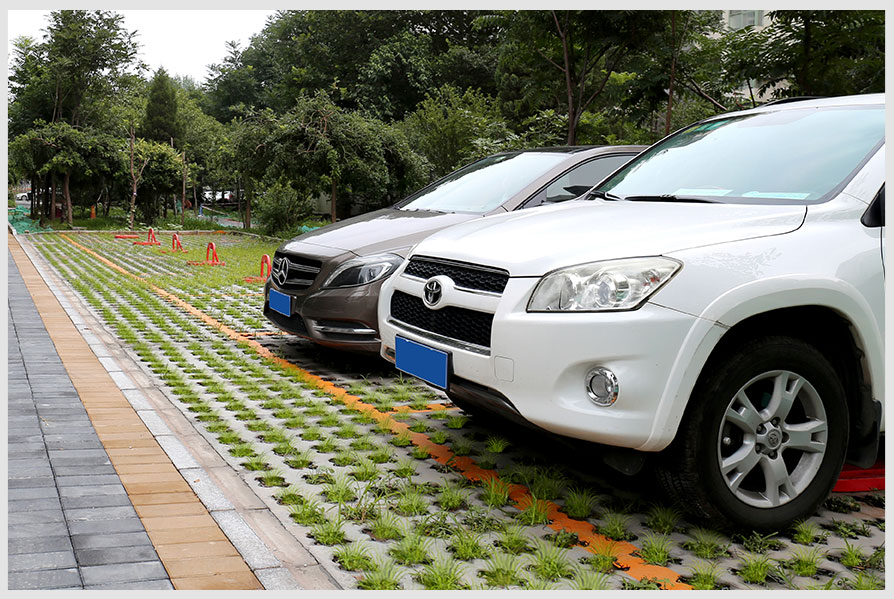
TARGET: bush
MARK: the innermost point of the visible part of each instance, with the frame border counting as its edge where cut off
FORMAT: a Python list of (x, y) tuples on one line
[(281, 209)]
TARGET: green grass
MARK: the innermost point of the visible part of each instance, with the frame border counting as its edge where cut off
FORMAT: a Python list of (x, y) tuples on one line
[(550, 562), (655, 549), (587, 580), (329, 532), (411, 502), (384, 576), (411, 549), (703, 576), (604, 560), (706, 544), (386, 527), (340, 490), (580, 503), (852, 556), (615, 526), (467, 545), (662, 519), (502, 570), (451, 497), (443, 573), (805, 560), (354, 557), (514, 540), (496, 492), (535, 513), (754, 568)]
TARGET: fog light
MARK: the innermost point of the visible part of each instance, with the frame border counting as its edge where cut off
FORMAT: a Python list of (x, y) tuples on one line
[(602, 386)]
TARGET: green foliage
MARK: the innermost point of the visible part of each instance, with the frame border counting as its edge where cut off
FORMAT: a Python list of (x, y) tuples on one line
[(755, 568), (160, 122), (812, 52)]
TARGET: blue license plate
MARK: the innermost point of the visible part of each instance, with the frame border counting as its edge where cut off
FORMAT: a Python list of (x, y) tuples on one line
[(280, 302), (425, 362)]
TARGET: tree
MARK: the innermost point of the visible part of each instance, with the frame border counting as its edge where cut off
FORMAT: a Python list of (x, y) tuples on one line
[(319, 148), (89, 55), (811, 52), (160, 122), (565, 59)]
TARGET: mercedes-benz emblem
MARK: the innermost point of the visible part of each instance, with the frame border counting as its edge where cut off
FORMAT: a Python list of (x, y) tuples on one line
[(281, 270), (431, 293)]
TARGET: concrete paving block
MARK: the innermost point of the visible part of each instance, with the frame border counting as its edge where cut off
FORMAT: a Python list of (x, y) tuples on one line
[(22, 483), (116, 555), (110, 364), (40, 529), (115, 488), (97, 513), (137, 399), (82, 527), (32, 493), (122, 380), (55, 560), (128, 572), (69, 503), (253, 550), (154, 422), (141, 585), (33, 505), (45, 579), (80, 481), (276, 579), (39, 545), (103, 540), (177, 452)]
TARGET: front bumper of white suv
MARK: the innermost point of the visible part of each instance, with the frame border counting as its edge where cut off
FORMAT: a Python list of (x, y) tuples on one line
[(539, 360)]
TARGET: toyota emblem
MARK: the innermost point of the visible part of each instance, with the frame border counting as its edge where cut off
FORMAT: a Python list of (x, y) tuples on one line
[(431, 293), (281, 271)]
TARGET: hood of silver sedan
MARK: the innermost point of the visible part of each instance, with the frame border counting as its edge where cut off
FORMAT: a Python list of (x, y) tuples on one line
[(386, 230)]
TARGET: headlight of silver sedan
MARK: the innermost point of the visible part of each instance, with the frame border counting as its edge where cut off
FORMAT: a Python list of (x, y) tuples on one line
[(611, 285), (364, 270)]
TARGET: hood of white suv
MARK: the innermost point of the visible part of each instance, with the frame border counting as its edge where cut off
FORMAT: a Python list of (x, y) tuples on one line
[(534, 242)]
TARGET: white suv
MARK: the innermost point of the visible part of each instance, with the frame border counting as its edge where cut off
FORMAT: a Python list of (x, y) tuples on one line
[(719, 300)]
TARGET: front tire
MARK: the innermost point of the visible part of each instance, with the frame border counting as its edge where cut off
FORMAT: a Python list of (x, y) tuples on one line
[(764, 437)]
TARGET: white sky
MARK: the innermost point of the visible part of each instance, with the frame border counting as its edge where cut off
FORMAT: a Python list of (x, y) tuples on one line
[(184, 42)]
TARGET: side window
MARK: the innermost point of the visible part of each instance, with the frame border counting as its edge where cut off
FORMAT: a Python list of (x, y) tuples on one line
[(875, 214), (577, 181)]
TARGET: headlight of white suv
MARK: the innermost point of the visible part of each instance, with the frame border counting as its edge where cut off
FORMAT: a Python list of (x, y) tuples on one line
[(602, 286), (361, 271)]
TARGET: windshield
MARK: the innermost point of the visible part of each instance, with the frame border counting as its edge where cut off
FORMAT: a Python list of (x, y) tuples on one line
[(484, 185), (785, 156)]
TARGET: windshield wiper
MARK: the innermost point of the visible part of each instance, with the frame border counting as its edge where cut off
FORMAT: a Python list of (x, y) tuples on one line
[(602, 195), (667, 197)]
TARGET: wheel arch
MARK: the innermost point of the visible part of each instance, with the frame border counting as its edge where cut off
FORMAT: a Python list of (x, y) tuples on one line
[(836, 336)]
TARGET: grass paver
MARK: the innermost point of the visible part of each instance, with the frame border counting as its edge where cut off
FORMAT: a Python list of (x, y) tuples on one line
[(337, 443)]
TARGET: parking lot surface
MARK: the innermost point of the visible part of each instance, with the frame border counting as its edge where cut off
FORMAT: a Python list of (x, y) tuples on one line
[(384, 483)]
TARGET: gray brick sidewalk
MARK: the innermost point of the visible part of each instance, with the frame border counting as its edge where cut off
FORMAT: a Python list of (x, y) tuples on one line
[(71, 524)]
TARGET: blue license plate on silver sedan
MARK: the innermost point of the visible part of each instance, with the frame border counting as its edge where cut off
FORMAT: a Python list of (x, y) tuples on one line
[(280, 302), (427, 363)]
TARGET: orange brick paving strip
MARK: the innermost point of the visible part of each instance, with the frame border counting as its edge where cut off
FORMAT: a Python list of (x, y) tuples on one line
[(195, 552), (624, 552)]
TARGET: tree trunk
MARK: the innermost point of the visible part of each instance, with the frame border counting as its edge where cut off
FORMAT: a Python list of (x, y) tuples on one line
[(183, 194), (53, 200), (107, 206), (670, 87), (249, 192), (333, 210), (32, 195), (67, 193), (46, 199)]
